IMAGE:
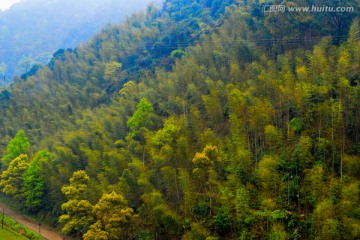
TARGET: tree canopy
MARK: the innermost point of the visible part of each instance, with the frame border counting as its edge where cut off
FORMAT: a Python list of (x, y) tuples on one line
[(249, 130)]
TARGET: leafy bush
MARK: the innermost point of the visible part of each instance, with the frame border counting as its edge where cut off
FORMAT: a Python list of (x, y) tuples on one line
[(13, 225)]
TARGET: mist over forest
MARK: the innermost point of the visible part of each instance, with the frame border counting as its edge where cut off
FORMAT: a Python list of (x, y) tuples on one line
[(32, 30)]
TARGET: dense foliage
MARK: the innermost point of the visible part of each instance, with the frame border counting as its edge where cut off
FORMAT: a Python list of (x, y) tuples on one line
[(206, 120)]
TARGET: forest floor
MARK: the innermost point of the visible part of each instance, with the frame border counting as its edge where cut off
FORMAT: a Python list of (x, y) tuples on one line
[(44, 232)]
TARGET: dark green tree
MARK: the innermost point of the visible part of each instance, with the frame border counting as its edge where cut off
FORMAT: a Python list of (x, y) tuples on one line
[(34, 188)]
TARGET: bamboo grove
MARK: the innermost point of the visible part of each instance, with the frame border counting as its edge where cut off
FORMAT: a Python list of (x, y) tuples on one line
[(205, 120)]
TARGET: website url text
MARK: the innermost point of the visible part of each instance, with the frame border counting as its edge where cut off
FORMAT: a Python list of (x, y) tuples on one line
[(313, 8)]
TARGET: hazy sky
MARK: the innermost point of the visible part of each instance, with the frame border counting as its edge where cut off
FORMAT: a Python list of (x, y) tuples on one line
[(5, 4)]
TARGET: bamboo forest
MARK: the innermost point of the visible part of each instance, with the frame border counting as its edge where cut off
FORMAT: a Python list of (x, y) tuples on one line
[(202, 119)]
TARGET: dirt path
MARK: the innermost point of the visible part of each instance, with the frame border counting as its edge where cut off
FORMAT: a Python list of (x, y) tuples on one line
[(44, 232)]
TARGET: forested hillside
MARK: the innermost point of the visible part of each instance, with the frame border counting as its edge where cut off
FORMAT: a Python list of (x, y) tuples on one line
[(32, 30), (201, 120)]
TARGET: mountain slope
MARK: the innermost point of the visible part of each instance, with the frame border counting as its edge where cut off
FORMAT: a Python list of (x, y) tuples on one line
[(211, 126), (33, 29)]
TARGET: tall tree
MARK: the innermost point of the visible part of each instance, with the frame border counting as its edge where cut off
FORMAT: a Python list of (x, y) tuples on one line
[(114, 218), (78, 216), (141, 117), (34, 188), (11, 179), (206, 171), (18, 145)]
